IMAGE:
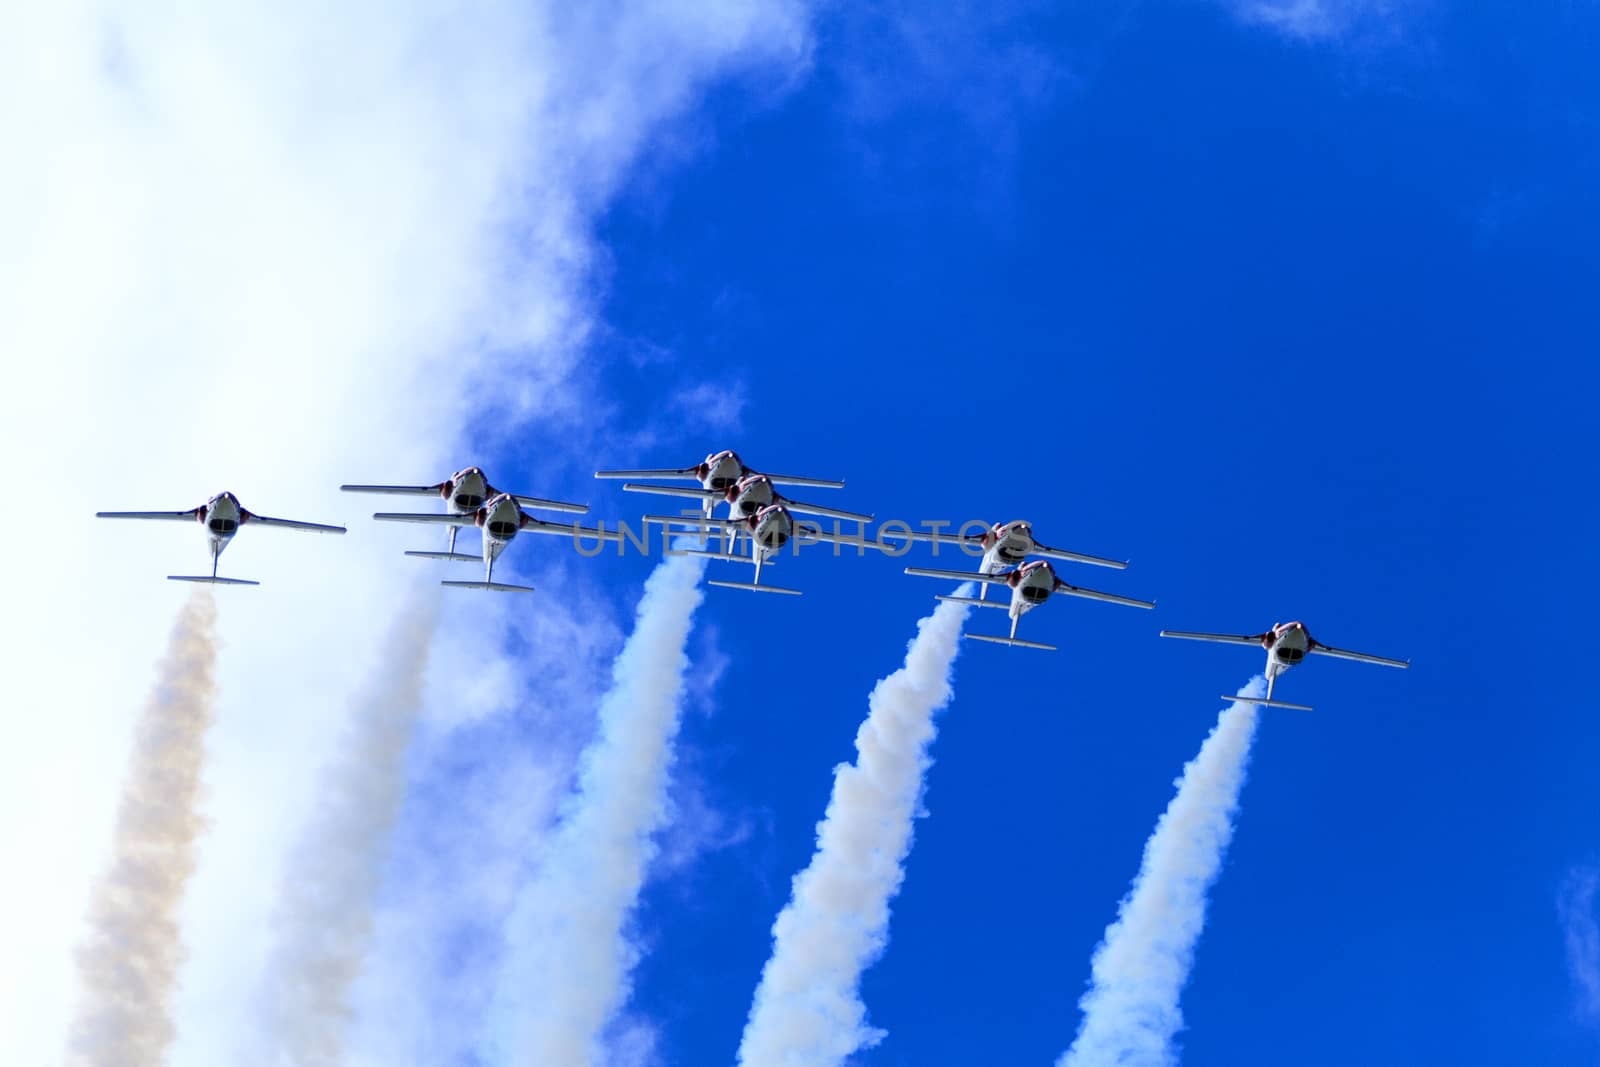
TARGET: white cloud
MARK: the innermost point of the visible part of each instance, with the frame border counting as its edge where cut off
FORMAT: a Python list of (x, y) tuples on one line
[(272, 247), (1320, 19), (1581, 930)]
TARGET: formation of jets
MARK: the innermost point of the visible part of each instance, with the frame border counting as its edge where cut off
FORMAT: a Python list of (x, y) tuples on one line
[(760, 523)]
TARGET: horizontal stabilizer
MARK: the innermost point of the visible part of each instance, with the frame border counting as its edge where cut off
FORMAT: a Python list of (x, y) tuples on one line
[(1015, 641), (753, 588), (209, 579), (1242, 698), (462, 556), (501, 586), (974, 601)]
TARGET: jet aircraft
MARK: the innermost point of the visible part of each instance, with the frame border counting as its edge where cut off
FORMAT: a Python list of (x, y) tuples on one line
[(221, 516), (1004, 545), (718, 472), (464, 493), (1031, 585), (1287, 644), (501, 519), (769, 530), (745, 497)]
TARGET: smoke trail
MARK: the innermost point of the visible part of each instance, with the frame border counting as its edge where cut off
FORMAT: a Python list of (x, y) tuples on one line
[(324, 916), (569, 958), (807, 1009), (1131, 1010), (128, 964)]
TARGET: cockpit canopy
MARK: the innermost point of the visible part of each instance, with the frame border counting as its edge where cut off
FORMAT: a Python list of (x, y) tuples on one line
[(722, 483), (468, 501), (223, 526), (1035, 594), (503, 530), (749, 507), (775, 537), (1291, 655)]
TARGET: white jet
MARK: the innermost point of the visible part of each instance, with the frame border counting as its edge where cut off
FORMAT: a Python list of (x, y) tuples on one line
[(1005, 545), (720, 472), (1287, 644), (501, 519), (1031, 585), (769, 531), (746, 497), (221, 516), (464, 493)]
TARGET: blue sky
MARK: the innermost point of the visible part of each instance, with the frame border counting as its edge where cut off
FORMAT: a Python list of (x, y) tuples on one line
[(1289, 302), (1302, 326)]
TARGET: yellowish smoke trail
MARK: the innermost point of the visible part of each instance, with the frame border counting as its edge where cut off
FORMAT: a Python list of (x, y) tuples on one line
[(129, 962)]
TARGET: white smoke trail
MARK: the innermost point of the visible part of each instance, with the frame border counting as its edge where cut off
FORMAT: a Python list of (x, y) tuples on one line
[(324, 919), (569, 958), (807, 1009), (128, 964), (1131, 1010)]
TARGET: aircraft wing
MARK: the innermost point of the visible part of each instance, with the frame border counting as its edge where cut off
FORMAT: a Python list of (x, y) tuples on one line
[(564, 529), (433, 518), (1360, 657), (397, 490), (1077, 557), (1095, 594), (790, 479), (818, 509), (673, 490), (697, 523), (291, 524), (736, 557), (174, 516), (807, 532), (958, 576), (929, 537), (549, 505), (1222, 639), (685, 472)]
